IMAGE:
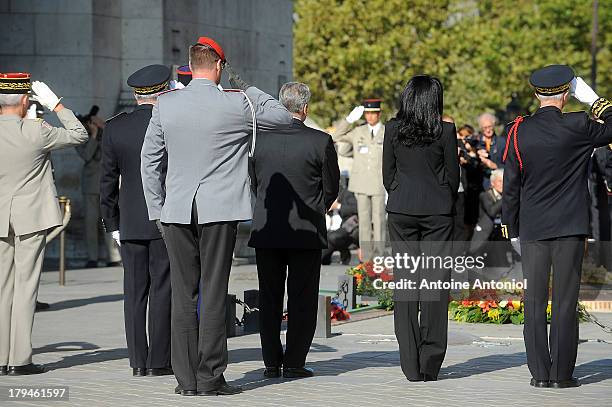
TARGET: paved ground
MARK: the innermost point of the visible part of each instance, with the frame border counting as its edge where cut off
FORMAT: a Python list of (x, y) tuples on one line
[(81, 341)]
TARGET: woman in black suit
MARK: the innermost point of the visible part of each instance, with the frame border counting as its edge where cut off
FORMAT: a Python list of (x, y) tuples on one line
[(421, 175)]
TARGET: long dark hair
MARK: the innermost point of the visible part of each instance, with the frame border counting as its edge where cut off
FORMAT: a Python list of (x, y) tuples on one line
[(420, 111)]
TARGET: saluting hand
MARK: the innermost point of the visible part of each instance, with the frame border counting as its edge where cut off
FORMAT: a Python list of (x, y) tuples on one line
[(355, 114), (45, 95), (583, 92)]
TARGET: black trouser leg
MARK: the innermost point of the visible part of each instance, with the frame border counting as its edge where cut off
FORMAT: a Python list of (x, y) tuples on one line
[(160, 297), (184, 254), (437, 232), (422, 341), (217, 241), (271, 271), (136, 282), (406, 310), (536, 259), (567, 254), (302, 297)]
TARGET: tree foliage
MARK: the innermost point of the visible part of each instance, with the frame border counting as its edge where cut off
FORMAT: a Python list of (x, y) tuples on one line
[(483, 51)]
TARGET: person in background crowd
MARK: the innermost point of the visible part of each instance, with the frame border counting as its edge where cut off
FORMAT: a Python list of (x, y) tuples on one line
[(472, 167), (199, 203), (296, 168), (488, 228), (490, 146), (421, 175), (366, 142), (146, 280), (91, 153), (459, 229), (347, 234), (28, 208), (545, 209)]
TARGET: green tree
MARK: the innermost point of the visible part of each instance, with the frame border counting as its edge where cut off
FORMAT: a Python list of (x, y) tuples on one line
[(483, 51)]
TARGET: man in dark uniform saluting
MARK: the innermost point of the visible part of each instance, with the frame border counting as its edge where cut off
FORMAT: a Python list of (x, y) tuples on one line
[(124, 211), (546, 203)]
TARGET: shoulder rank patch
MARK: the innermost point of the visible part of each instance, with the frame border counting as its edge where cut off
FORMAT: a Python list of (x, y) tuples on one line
[(166, 91), (599, 106), (117, 115)]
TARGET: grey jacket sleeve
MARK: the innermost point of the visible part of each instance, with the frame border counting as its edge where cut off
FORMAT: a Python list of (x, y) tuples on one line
[(151, 157), (270, 113), (72, 134)]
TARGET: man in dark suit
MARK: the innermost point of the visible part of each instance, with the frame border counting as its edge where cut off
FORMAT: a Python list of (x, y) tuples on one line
[(124, 212), (296, 177), (546, 203)]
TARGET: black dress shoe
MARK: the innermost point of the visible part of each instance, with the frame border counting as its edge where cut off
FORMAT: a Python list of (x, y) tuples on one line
[(179, 390), (294, 372), (3, 370), (563, 384), (272, 372), (91, 264), (159, 371), (139, 371), (413, 379), (224, 390), (42, 306), (25, 370), (114, 264), (539, 383), (429, 378)]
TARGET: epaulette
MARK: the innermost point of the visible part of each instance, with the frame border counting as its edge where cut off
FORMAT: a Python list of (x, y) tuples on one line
[(117, 115), (233, 90)]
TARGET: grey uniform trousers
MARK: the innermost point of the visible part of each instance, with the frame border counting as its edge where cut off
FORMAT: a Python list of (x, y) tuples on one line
[(21, 260)]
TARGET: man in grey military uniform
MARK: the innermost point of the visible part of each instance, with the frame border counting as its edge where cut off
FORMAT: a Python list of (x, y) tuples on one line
[(28, 207), (206, 133), (365, 144)]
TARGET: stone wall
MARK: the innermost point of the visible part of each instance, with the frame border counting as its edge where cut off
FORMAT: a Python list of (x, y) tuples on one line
[(86, 49)]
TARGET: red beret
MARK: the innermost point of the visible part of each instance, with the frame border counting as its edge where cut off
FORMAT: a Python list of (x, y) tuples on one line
[(213, 44)]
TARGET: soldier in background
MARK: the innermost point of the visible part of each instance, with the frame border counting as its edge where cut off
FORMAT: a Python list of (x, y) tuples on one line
[(91, 153), (546, 204), (366, 145), (28, 208), (124, 212)]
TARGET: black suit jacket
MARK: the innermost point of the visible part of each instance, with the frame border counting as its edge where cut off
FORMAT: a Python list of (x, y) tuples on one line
[(296, 178), (550, 198), (123, 207), (421, 180)]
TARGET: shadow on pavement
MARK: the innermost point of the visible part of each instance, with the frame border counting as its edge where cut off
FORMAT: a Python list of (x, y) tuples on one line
[(65, 347), (594, 371), (332, 367), (254, 354), (482, 365), (79, 302), (97, 356)]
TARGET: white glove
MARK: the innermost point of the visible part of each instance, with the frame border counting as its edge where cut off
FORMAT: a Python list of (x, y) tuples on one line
[(175, 85), (583, 92), (516, 244), (31, 113), (116, 237), (355, 114), (44, 95)]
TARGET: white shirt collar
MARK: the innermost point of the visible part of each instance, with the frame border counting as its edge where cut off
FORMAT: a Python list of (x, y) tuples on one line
[(374, 128)]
